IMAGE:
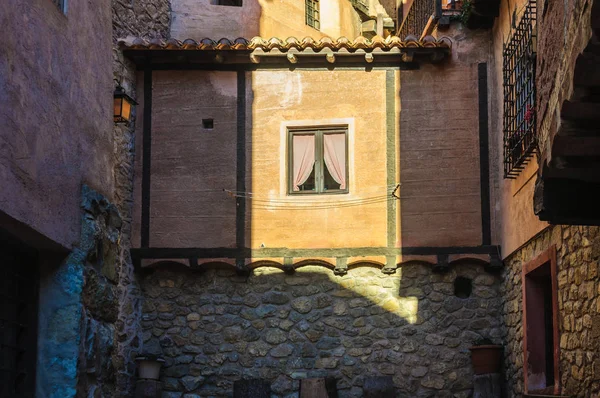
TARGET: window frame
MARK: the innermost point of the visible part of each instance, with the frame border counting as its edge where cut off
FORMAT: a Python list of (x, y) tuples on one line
[(314, 16), (318, 132)]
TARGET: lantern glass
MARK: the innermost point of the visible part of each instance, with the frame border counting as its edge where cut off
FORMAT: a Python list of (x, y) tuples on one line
[(126, 109), (122, 106), (118, 105)]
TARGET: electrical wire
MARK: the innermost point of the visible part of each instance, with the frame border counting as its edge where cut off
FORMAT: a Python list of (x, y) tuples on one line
[(298, 204)]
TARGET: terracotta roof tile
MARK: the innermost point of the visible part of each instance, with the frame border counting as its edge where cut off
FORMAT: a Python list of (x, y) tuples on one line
[(290, 43)]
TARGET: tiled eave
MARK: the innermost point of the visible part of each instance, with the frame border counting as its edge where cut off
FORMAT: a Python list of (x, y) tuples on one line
[(261, 53)]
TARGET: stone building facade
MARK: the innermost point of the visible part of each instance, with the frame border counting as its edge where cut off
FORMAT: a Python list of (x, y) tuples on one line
[(566, 33), (577, 255), (295, 311)]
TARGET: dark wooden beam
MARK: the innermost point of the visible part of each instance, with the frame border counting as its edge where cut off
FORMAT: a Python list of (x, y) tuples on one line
[(580, 111), (146, 157), (228, 252), (576, 146), (484, 161), (567, 201), (240, 214)]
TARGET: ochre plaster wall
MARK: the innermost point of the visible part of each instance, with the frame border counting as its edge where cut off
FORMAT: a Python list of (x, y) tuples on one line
[(56, 126), (198, 19), (312, 98), (514, 218)]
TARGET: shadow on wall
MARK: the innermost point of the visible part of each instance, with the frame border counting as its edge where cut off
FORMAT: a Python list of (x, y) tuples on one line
[(215, 327)]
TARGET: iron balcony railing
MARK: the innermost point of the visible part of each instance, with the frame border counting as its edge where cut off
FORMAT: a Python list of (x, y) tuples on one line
[(416, 18), (519, 60)]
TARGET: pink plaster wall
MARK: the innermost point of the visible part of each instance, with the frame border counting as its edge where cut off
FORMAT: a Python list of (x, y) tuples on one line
[(55, 112), (191, 165)]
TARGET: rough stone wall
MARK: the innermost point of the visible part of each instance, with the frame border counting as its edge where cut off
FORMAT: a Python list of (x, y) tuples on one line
[(78, 309), (564, 31), (577, 256), (149, 19), (214, 328)]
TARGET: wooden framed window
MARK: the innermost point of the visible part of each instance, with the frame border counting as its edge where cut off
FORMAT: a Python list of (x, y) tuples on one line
[(231, 3), (312, 13), (540, 324), (318, 161)]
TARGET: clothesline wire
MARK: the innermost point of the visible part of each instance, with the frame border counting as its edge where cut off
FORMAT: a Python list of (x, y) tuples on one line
[(292, 201), (279, 207)]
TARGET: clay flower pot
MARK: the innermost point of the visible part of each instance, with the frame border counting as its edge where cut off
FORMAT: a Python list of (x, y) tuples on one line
[(486, 358), (149, 367)]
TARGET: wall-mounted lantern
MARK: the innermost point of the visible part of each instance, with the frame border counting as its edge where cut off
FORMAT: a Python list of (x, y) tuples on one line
[(123, 105)]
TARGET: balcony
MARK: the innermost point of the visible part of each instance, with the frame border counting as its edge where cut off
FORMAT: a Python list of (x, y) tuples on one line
[(418, 16)]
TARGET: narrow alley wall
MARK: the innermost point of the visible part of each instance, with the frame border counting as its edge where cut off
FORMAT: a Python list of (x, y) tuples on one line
[(148, 19), (214, 327)]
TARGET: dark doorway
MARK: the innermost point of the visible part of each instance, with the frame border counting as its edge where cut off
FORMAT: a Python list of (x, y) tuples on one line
[(18, 317), (540, 324)]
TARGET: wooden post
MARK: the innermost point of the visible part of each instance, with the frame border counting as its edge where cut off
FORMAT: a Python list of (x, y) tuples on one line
[(313, 388)]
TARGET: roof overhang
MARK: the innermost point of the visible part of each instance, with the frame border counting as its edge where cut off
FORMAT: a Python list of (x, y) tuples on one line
[(258, 53)]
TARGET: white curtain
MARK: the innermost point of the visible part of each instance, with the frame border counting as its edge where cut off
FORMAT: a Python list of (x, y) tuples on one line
[(303, 147), (335, 157)]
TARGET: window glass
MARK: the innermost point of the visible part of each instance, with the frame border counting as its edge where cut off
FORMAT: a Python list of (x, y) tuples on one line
[(312, 13), (318, 161)]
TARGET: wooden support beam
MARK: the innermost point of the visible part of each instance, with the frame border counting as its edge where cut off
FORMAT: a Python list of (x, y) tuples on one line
[(576, 146), (580, 111), (587, 70)]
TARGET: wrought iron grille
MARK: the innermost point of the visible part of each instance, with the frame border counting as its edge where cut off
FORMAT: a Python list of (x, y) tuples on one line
[(518, 72), (18, 298), (312, 13), (415, 21)]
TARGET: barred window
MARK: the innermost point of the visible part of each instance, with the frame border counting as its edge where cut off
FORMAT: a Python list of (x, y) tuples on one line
[(312, 13), (518, 72)]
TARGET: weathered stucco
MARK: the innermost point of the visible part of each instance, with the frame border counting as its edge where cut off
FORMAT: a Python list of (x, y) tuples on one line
[(214, 328), (515, 222), (439, 147), (57, 127), (199, 19)]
